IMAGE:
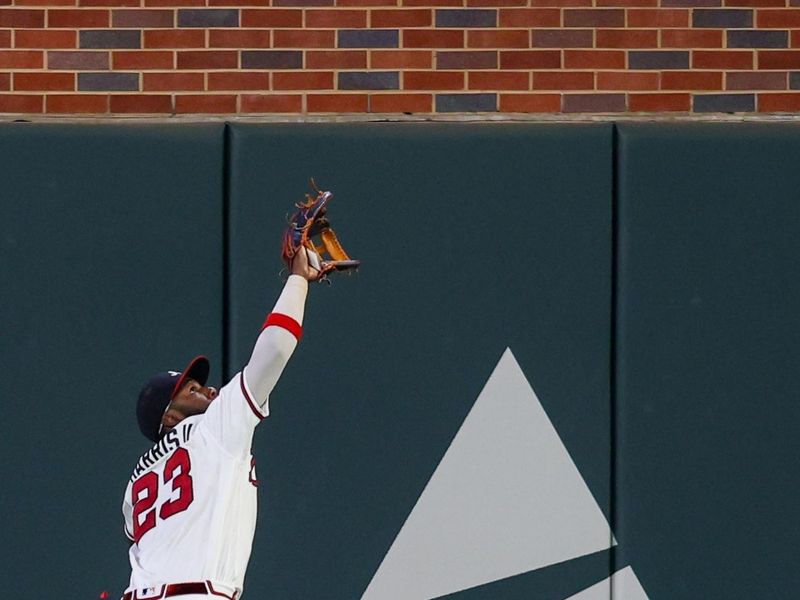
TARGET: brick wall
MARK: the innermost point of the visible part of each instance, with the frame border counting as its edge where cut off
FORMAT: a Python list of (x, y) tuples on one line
[(395, 56)]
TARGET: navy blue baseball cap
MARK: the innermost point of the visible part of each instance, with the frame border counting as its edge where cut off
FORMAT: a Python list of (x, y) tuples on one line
[(159, 391)]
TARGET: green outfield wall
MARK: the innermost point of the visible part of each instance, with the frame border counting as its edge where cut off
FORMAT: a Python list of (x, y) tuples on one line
[(566, 368)]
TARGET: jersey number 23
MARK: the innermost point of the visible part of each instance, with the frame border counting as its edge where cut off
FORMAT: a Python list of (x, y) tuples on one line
[(145, 493)]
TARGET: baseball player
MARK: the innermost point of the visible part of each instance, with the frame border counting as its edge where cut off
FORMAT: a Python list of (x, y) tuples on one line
[(190, 504)]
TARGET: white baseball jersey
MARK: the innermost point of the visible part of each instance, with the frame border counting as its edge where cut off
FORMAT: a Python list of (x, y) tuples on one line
[(190, 504)]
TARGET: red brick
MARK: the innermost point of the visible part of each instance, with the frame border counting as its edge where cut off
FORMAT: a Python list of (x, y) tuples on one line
[(496, 3), (36, 82), (218, 3), (142, 60), (789, 102), (239, 38), (109, 3), (400, 59), (722, 59), (344, 3), (306, 80), (337, 103), (401, 18), (659, 102), (781, 19), (691, 38), (44, 2), (626, 38), (498, 80), (5, 38), (272, 17), (530, 17), (173, 82), (143, 18), (627, 3), (401, 103), (208, 59), (432, 38), (174, 3), (779, 59), (498, 38), (175, 38), (333, 18), (21, 59), (530, 59), (691, 80), (38, 38), (594, 17), (303, 38), (272, 103), (141, 104), (658, 17), (530, 103), (77, 103), (627, 80), (16, 103), (756, 80), (5, 81), (560, 3), (78, 18), (469, 59), (238, 81), (336, 59), (754, 3), (15, 18), (594, 59), (565, 80), (429, 3), (433, 80), (223, 104), (562, 38), (794, 39)]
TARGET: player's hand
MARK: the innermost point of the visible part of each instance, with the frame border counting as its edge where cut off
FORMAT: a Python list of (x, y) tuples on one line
[(301, 266)]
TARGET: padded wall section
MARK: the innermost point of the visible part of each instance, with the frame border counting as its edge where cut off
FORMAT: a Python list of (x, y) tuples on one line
[(474, 239), (707, 386), (111, 262)]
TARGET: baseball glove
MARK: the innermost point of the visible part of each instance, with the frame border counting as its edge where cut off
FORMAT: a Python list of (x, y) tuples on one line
[(308, 224)]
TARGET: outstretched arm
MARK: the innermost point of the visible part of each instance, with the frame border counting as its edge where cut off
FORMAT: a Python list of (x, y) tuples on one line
[(281, 332)]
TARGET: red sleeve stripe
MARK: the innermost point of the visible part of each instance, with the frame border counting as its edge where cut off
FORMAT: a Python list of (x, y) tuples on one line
[(285, 321), (247, 397)]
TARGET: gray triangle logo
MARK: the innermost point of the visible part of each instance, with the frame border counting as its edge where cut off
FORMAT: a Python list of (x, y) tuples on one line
[(505, 499), (622, 585)]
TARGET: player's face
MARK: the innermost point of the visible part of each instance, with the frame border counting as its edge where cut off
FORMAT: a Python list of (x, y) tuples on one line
[(193, 398)]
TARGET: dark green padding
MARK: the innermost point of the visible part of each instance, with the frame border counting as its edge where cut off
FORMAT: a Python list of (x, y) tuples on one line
[(707, 359), (111, 262), (474, 238)]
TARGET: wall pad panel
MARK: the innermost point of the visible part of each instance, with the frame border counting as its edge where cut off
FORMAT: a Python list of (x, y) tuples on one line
[(707, 356), (111, 262), (474, 239)]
